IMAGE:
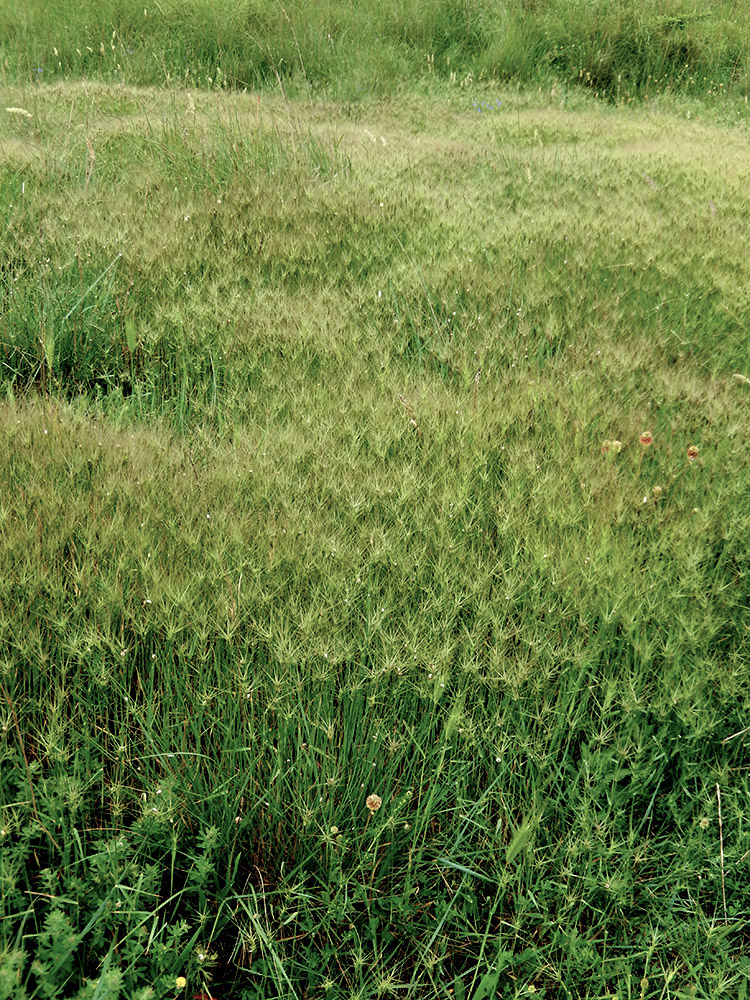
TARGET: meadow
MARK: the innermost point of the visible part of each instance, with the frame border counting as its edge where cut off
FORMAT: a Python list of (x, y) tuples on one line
[(374, 519)]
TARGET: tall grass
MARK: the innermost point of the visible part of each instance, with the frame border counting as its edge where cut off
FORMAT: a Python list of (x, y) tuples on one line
[(309, 493), (621, 50)]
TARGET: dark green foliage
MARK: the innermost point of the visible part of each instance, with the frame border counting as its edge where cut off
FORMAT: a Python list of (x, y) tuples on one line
[(619, 49)]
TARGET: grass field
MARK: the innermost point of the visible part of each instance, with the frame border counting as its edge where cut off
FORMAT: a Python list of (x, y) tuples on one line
[(374, 518), (621, 49)]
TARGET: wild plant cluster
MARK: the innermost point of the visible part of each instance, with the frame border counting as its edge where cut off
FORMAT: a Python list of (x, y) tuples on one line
[(374, 541), (622, 50)]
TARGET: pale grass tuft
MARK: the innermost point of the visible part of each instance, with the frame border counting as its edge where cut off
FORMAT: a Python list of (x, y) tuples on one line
[(19, 111)]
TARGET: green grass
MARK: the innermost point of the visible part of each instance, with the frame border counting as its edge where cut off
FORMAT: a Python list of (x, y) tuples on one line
[(303, 498), (621, 49)]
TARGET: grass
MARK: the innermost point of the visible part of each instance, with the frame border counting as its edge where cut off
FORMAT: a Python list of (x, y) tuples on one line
[(306, 497), (625, 50)]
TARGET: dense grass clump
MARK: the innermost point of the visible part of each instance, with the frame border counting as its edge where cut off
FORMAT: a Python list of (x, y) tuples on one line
[(374, 577), (621, 49)]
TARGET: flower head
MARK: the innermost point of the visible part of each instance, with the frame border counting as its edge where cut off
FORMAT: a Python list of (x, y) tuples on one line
[(373, 803), (180, 983), (646, 439), (692, 452)]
